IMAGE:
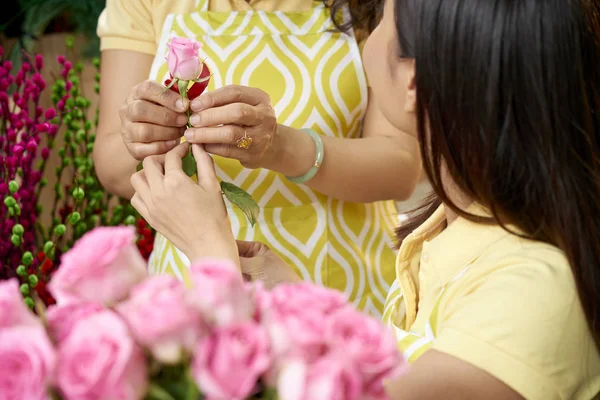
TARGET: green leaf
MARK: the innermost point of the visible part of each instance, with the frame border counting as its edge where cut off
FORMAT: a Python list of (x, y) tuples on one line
[(242, 200), (189, 164)]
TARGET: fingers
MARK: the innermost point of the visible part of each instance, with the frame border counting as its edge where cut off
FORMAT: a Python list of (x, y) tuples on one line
[(230, 94), (146, 111), (153, 172), (230, 114), (148, 133), (173, 158), (207, 176), (141, 151), (229, 134), (229, 151), (141, 186), (249, 249), (156, 93), (140, 206)]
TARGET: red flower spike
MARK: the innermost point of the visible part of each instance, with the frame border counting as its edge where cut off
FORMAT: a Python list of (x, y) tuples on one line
[(47, 266)]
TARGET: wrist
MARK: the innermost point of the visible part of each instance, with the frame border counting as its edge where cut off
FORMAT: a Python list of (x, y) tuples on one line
[(292, 152), (218, 243)]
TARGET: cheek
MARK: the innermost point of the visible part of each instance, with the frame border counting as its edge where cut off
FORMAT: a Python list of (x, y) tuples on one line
[(388, 94), (372, 58)]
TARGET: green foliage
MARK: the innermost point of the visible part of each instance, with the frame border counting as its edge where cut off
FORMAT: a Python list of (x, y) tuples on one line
[(76, 16)]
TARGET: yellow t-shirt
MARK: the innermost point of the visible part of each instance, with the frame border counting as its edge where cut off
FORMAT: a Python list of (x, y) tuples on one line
[(506, 305), (137, 24)]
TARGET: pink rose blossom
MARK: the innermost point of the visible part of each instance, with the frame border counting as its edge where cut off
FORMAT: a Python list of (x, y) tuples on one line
[(161, 319), (182, 59), (13, 310), (369, 345), (331, 377), (100, 360), (228, 363), (27, 363), (102, 267), (219, 292), (296, 314), (61, 319)]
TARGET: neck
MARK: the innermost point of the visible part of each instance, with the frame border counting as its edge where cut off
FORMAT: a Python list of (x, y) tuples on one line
[(459, 198)]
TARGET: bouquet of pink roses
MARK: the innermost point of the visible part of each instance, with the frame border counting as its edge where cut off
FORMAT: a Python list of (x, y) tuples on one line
[(116, 333)]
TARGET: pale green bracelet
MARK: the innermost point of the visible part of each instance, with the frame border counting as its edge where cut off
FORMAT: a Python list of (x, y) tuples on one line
[(318, 158)]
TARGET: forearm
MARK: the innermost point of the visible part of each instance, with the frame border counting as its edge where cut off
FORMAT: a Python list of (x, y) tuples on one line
[(114, 164), (360, 170)]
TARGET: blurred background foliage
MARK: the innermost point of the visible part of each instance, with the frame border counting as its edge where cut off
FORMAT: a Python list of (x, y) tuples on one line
[(26, 21)]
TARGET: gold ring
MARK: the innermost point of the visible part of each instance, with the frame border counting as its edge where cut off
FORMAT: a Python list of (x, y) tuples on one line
[(244, 142)]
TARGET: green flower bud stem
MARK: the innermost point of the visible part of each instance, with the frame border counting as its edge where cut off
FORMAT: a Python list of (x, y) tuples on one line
[(29, 302), (13, 187), (33, 280), (78, 194), (60, 230), (22, 270), (27, 258), (16, 240), (74, 218), (18, 230), (24, 289), (48, 246), (10, 201)]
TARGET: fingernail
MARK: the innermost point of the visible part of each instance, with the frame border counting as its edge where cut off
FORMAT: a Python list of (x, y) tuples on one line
[(189, 134), (195, 120), (179, 105), (196, 104), (181, 119), (173, 142)]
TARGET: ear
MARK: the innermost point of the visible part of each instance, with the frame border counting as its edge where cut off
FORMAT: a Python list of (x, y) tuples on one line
[(410, 103)]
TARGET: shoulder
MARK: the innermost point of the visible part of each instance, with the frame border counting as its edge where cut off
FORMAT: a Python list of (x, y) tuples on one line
[(526, 264), (516, 314)]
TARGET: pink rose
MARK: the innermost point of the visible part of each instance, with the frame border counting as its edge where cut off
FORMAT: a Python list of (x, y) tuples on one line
[(219, 292), (100, 360), (102, 267), (13, 310), (329, 378), (61, 319), (182, 59), (161, 319), (369, 345), (228, 363), (27, 363), (296, 314)]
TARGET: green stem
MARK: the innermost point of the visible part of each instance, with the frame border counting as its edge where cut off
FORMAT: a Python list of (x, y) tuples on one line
[(155, 392)]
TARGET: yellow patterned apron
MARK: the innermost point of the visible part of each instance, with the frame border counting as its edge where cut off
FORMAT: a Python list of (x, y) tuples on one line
[(316, 80)]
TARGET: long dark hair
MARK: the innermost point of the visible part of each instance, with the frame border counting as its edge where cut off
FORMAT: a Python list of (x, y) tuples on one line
[(364, 14), (508, 102)]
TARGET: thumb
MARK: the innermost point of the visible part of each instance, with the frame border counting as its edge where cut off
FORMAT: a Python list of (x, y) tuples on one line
[(205, 166)]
